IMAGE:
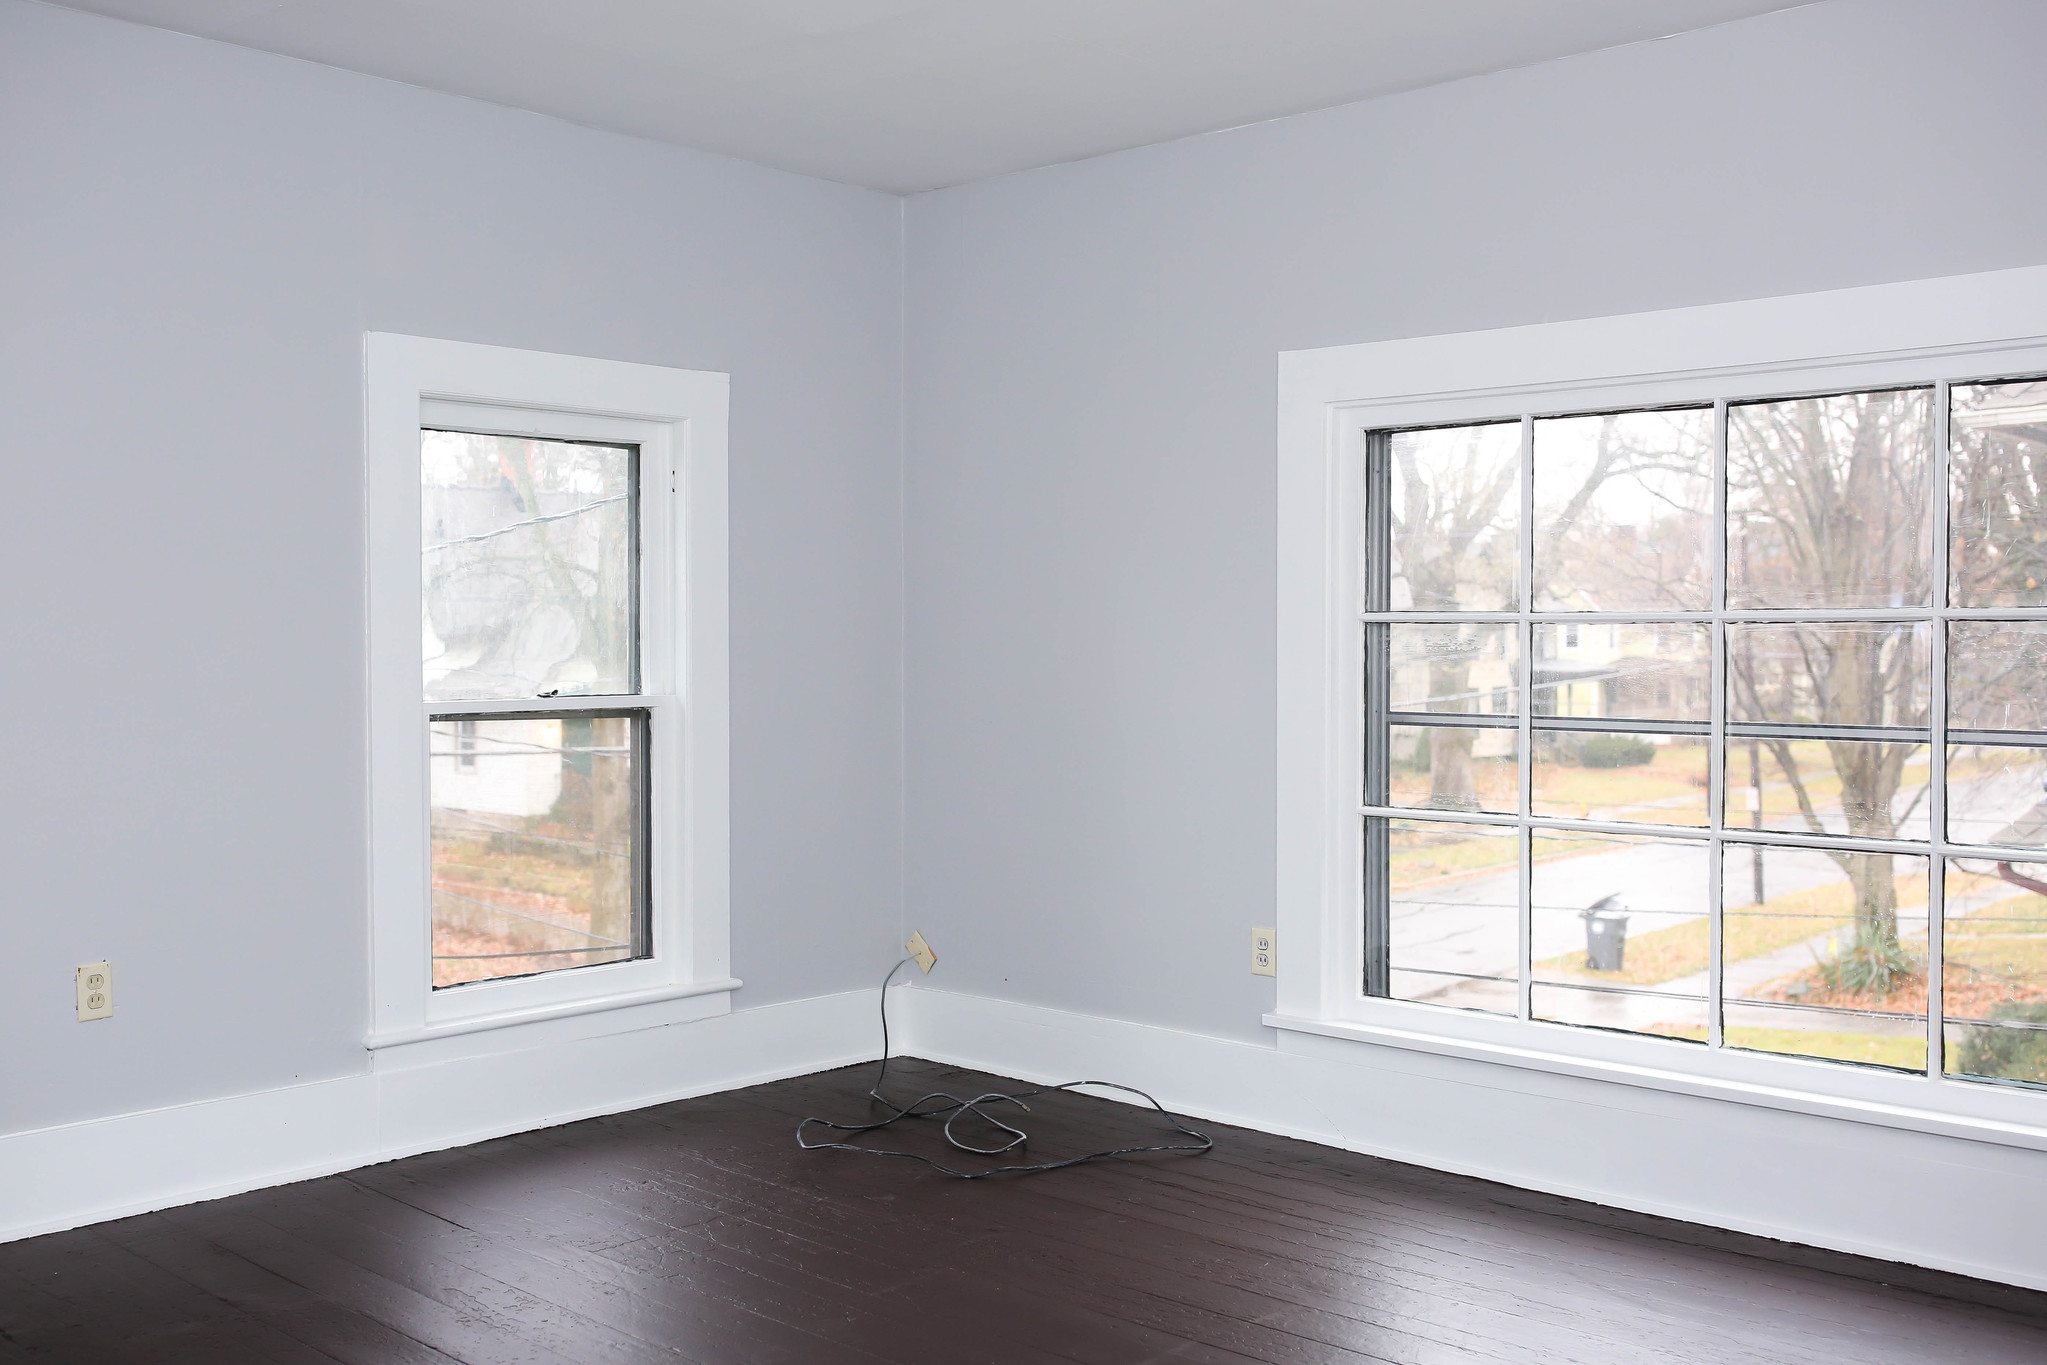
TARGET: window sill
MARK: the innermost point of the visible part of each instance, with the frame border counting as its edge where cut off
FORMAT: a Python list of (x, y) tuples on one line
[(524, 1019), (1871, 1104)]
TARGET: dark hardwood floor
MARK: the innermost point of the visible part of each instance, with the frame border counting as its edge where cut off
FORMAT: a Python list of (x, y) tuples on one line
[(697, 1231)]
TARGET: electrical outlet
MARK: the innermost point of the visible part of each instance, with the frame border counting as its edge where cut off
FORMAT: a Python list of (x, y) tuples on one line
[(1264, 952), (921, 952), (95, 991)]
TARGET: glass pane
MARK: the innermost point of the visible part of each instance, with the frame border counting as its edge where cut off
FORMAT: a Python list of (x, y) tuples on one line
[(1620, 929), (1997, 491), (1455, 668), (1824, 954), (1995, 674), (1623, 511), (1456, 512), (1869, 788), (529, 566), (1829, 673), (1994, 969), (1827, 501), (1593, 775), (1454, 767), (1997, 794), (1454, 916), (1661, 671), (538, 844)]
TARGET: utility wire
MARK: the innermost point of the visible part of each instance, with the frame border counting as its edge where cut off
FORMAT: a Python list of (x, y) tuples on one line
[(511, 526), (939, 1104)]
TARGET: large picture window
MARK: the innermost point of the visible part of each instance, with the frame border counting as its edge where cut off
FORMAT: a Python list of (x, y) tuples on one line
[(1716, 721)]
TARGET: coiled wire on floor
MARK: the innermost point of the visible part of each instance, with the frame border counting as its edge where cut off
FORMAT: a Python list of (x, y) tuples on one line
[(952, 1108)]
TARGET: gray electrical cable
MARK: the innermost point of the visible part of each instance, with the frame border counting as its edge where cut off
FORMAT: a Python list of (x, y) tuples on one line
[(953, 1108)]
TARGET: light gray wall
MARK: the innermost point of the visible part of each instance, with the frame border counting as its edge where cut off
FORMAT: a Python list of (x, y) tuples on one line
[(193, 239), (1090, 364)]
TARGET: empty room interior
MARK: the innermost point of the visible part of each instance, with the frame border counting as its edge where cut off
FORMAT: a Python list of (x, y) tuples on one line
[(923, 680)]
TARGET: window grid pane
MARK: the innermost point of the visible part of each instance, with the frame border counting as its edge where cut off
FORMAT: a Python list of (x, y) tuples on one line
[(1839, 659)]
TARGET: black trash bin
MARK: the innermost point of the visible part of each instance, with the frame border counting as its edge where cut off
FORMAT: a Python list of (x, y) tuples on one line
[(1606, 934)]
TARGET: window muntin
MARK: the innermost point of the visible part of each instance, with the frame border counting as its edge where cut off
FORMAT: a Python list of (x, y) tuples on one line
[(539, 846), (1827, 730)]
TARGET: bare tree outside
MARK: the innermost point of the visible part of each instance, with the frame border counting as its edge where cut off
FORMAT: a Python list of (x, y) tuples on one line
[(1829, 507), (1454, 513), (1622, 505), (528, 562)]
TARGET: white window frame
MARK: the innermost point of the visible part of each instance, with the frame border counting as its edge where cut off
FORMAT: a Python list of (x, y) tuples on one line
[(677, 418), (1922, 332)]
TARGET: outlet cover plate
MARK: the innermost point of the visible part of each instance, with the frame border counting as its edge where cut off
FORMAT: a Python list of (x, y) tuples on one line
[(95, 992), (921, 952), (1265, 952)]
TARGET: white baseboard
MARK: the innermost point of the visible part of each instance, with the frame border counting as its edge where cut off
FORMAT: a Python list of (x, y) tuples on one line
[(1943, 1202), (80, 1173), (1924, 1199)]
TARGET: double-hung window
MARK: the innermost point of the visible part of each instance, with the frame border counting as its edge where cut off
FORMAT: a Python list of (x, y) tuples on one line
[(1668, 694), (547, 688), (530, 587)]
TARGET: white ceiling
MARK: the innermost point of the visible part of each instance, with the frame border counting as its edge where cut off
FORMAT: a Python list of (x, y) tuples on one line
[(909, 95)]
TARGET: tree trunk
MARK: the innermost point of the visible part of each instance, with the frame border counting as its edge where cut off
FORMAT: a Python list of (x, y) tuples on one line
[(1451, 785), (1876, 899)]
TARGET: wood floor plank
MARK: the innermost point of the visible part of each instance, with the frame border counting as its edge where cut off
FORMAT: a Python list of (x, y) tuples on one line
[(696, 1233)]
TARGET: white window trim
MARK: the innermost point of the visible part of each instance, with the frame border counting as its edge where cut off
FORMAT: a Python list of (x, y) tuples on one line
[(1956, 328), (678, 418)]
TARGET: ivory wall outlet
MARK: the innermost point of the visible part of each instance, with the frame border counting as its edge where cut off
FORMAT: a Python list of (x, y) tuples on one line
[(921, 951), (95, 992), (1265, 952)]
